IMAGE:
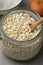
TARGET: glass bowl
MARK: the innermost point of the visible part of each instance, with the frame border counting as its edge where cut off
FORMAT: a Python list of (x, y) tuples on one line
[(6, 6), (21, 50)]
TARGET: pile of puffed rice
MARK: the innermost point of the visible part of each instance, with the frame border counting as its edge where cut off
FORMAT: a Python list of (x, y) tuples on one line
[(16, 26)]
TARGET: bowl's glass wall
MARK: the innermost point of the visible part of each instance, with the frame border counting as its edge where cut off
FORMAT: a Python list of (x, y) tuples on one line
[(21, 50)]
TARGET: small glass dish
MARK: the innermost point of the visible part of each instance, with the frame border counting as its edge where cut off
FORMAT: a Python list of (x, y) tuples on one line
[(7, 5), (21, 50)]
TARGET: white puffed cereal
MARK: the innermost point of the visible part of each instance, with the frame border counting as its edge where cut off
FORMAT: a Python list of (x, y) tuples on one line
[(17, 26)]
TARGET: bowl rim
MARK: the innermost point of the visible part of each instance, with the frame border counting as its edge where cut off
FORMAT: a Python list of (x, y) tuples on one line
[(15, 41)]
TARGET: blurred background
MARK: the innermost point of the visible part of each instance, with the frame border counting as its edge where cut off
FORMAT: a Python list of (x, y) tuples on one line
[(25, 3)]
